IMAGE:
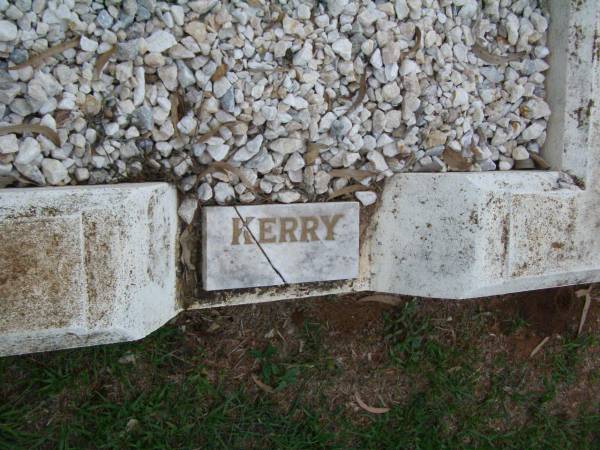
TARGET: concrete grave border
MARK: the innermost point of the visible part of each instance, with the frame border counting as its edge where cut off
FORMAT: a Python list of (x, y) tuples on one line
[(434, 235), (85, 265)]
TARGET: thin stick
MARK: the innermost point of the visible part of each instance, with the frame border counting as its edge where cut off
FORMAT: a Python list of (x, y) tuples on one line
[(539, 346), (586, 308), (40, 59)]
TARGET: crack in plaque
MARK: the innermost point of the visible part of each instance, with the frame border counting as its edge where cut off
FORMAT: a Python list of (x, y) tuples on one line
[(259, 246)]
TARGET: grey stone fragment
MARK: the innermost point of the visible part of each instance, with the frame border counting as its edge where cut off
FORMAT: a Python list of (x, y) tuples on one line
[(128, 50), (32, 173), (143, 14), (228, 101), (18, 55), (142, 117), (104, 19)]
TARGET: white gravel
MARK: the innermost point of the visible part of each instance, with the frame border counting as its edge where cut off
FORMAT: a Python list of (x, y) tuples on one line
[(259, 87)]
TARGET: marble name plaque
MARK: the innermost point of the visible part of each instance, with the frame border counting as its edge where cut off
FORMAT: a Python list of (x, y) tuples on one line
[(269, 245)]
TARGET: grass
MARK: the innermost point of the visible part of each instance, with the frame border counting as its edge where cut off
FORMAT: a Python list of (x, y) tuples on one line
[(452, 390)]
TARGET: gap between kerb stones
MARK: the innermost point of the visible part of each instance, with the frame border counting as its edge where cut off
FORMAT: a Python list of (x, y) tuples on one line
[(259, 246)]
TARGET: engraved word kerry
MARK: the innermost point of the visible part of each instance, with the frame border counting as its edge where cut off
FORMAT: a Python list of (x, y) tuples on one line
[(268, 245)]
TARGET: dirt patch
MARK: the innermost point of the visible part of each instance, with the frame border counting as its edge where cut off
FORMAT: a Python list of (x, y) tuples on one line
[(348, 315), (551, 311)]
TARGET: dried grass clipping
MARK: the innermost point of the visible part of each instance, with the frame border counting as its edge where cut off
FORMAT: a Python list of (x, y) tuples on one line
[(32, 128), (539, 347), (38, 60)]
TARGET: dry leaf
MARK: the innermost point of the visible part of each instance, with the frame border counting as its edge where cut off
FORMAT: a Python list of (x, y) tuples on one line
[(7, 180), (219, 73), (490, 58), (347, 190), (352, 173), (410, 162), (329, 101), (539, 161), (61, 116), (221, 166), (380, 298), (175, 112), (314, 150), (32, 128), (210, 133), (456, 161), (38, 60), (186, 242), (362, 92), (102, 60), (217, 166), (368, 408), (262, 385), (539, 346), (206, 136), (415, 46), (278, 20)]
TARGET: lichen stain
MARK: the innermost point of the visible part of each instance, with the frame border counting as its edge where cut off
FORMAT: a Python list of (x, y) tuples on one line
[(40, 267), (543, 235), (102, 243)]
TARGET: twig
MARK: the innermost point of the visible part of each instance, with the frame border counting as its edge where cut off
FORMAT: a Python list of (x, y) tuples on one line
[(368, 408), (539, 346), (586, 306), (262, 385), (38, 60)]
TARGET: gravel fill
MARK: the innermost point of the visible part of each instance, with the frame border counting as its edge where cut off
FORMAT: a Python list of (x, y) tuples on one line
[(257, 101)]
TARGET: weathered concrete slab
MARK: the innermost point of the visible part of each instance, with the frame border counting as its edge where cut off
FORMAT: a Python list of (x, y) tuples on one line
[(271, 245), (475, 235), (86, 265)]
